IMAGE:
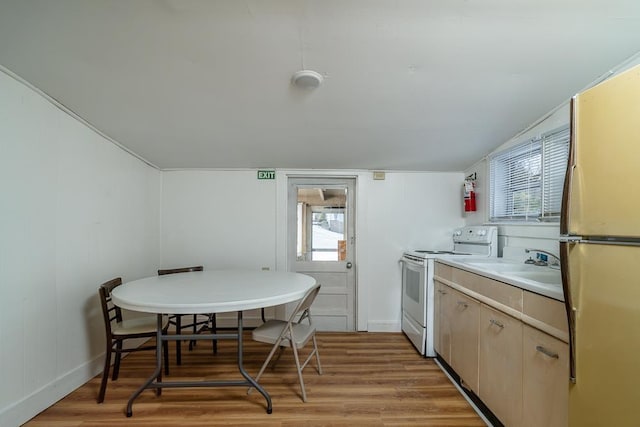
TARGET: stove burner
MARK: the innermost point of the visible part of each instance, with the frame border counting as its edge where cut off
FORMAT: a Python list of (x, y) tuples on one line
[(441, 252)]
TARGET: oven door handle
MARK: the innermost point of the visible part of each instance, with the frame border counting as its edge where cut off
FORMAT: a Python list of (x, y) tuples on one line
[(409, 261)]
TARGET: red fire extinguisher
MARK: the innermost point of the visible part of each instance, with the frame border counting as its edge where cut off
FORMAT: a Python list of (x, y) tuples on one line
[(469, 195)]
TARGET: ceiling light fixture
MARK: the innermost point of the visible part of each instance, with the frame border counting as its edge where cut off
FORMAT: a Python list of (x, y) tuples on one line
[(307, 79)]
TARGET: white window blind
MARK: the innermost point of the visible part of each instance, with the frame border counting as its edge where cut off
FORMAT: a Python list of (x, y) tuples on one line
[(526, 180), (554, 165)]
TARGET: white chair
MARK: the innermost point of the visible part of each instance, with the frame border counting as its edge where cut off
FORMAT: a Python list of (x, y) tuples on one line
[(282, 334)]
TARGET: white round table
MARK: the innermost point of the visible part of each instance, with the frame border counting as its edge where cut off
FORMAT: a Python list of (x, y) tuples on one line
[(211, 291)]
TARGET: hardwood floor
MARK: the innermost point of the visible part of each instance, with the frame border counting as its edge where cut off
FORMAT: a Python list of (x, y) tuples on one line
[(370, 379)]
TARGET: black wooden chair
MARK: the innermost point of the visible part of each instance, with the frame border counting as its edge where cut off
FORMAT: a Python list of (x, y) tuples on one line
[(196, 325), (117, 330)]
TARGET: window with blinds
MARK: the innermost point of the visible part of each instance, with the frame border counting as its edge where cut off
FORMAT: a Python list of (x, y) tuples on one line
[(526, 180)]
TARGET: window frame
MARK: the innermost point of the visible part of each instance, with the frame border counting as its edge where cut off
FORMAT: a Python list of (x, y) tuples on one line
[(526, 179)]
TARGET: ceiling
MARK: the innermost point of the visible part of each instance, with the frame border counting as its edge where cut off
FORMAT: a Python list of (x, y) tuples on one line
[(424, 85)]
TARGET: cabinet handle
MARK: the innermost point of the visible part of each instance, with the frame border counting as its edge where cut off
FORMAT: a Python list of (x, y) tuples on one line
[(495, 322), (549, 353), (464, 304)]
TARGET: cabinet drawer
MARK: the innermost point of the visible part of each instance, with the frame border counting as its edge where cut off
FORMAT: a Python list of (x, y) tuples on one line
[(466, 279), (442, 270), (546, 310), (498, 291)]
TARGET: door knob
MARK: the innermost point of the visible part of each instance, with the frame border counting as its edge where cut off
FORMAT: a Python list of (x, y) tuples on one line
[(349, 265)]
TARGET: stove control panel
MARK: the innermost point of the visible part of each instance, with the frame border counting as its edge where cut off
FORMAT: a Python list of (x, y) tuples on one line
[(475, 234)]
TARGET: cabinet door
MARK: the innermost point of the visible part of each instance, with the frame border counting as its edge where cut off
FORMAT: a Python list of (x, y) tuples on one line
[(441, 328), (545, 379), (500, 367), (437, 287), (464, 316)]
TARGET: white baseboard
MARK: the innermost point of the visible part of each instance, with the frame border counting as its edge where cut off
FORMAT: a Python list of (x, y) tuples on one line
[(31, 405), (384, 326), (21, 411), (28, 407)]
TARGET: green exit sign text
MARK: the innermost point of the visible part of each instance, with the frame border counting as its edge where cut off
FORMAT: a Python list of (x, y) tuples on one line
[(266, 174)]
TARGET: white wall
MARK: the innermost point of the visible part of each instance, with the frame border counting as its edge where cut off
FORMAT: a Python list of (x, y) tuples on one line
[(221, 219), (76, 211), (405, 211), (227, 219), (520, 235), (539, 236)]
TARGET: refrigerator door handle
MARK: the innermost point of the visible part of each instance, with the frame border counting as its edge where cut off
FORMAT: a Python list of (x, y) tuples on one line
[(568, 302), (568, 178), (600, 240), (571, 239)]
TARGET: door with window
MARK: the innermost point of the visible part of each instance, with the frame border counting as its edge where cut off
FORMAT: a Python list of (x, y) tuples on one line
[(321, 243)]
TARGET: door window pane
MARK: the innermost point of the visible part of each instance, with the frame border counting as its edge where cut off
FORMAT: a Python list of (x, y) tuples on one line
[(327, 233), (321, 224)]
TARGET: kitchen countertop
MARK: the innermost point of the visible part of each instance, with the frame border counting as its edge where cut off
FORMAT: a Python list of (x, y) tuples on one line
[(538, 279)]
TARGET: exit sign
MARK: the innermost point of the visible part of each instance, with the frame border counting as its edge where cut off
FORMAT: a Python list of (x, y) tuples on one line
[(266, 174)]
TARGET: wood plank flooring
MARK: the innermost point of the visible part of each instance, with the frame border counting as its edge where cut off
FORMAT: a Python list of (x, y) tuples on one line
[(370, 379)]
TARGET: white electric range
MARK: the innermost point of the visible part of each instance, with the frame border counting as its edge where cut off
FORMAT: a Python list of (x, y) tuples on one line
[(417, 280)]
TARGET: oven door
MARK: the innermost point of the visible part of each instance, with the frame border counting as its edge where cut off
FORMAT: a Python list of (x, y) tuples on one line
[(415, 333), (413, 290)]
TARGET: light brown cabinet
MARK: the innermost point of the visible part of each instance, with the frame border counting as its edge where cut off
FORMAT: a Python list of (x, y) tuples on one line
[(464, 315), (442, 327), (506, 344), (544, 375), (500, 365)]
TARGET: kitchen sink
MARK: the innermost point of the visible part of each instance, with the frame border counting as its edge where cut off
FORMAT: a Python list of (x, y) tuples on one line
[(518, 270), (503, 267), (550, 277), (540, 279)]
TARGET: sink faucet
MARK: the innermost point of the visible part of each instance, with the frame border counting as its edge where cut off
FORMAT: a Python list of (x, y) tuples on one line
[(556, 260)]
